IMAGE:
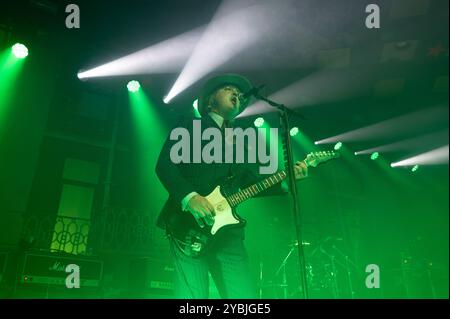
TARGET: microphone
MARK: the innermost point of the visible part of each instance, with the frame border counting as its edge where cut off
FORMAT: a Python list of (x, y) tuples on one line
[(251, 92)]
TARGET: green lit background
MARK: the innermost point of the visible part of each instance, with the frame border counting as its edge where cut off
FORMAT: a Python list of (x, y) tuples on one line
[(77, 158)]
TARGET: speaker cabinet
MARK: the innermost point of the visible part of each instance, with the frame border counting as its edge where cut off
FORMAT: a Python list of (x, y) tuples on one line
[(151, 276)]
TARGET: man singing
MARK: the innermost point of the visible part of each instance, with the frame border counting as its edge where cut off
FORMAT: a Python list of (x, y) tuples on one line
[(221, 100)]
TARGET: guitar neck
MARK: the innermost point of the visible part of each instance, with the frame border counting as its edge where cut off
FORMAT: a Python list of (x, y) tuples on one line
[(312, 159), (253, 190)]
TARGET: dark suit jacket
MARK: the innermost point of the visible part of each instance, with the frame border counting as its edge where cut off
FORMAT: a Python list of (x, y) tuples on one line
[(184, 178)]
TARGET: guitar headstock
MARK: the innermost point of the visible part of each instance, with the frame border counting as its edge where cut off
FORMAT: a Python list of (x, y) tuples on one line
[(315, 158)]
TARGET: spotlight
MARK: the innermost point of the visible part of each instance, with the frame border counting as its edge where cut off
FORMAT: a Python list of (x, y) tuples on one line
[(259, 122), (195, 105), (433, 157), (133, 86), (374, 156), (294, 131), (81, 75), (415, 168), (337, 146), (166, 100), (20, 51)]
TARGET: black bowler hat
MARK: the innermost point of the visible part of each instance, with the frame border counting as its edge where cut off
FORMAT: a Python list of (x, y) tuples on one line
[(212, 84)]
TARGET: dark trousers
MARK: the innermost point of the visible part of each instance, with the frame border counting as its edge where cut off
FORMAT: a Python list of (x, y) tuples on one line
[(229, 267)]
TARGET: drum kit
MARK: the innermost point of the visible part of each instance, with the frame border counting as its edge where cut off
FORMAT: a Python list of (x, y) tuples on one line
[(330, 272)]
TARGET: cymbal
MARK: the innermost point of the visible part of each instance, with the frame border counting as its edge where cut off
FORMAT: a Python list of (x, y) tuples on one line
[(295, 243)]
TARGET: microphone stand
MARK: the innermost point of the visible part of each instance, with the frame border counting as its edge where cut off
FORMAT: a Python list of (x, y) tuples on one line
[(284, 112), (283, 267)]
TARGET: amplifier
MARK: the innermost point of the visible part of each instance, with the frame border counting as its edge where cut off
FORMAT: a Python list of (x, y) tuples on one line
[(151, 275), (50, 269)]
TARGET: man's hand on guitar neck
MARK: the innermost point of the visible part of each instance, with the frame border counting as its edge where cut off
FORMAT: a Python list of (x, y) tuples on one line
[(301, 170), (202, 210)]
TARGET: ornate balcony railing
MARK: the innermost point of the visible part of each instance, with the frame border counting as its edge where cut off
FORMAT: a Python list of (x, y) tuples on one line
[(115, 230)]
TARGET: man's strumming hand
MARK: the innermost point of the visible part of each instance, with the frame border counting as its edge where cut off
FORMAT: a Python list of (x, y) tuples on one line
[(202, 210)]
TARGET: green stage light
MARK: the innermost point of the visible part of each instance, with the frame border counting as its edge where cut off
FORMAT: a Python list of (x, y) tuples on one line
[(374, 156), (294, 131), (20, 51), (133, 86), (337, 146), (415, 168), (195, 105), (259, 122)]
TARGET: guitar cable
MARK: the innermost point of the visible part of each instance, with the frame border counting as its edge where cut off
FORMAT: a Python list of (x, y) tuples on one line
[(178, 263)]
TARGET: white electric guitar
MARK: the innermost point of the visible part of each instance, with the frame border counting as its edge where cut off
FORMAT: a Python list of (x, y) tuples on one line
[(194, 240)]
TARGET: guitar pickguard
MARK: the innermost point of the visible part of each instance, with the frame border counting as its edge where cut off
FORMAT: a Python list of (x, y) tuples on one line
[(192, 240), (223, 212)]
